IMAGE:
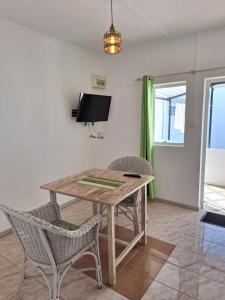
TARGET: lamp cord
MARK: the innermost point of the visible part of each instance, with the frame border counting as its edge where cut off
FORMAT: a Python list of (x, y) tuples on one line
[(111, 12)]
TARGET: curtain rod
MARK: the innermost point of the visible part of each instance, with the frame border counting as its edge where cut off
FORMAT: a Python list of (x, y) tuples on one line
[(181, 73)]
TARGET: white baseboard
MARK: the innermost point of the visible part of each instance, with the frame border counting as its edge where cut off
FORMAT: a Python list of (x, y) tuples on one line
[(68, 203), (177, 204), (5, 232)]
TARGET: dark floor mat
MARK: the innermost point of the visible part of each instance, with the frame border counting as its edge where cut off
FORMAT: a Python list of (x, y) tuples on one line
[(214, 219)]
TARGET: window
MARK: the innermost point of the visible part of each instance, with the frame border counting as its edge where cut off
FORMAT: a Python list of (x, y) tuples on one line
[(169, 113), (216, 119)]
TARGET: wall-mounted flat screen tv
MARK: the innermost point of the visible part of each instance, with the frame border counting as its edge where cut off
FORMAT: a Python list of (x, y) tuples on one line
[(93, 108)]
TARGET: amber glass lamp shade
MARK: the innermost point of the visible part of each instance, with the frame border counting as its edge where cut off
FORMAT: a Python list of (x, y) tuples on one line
[(112, 41)]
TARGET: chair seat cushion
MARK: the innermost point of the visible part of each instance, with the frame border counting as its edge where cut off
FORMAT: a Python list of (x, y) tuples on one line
[(128, 201), (65, 225)]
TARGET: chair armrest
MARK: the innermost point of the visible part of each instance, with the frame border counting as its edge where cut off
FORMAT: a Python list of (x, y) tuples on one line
[(88, 225), (43, 225), (82, 230)]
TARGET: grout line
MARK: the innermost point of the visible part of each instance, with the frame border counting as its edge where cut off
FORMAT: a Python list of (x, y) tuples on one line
[(104, 288), (9, 261), (182, 267), (191, 251), (173, 289)]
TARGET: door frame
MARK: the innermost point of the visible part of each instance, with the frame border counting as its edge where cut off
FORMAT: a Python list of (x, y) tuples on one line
[(206, 101)]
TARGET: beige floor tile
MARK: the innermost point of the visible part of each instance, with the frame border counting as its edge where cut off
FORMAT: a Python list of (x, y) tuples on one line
[(186, 259), (208, 226), (75, 285), (202, 232), (169, 237), (216, 251), (32, 271), (177, 278), (158, 291), (11, 249), (207, 289), (219, 238), (192, 244), (9, 277), (32, 290), (109, 294), (213, 269), (78, 286)]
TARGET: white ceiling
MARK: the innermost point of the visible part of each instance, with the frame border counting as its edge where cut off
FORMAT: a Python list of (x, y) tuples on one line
[(83, 22)]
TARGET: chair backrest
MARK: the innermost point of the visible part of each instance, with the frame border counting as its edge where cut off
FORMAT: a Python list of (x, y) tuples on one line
[(48, 212), (29, 232), (132, 164)]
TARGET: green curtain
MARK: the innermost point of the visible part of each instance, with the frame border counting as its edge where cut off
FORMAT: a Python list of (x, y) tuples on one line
[(147, 127)]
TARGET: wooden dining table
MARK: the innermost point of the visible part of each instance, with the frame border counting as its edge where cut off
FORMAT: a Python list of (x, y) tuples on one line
[(106, 187)]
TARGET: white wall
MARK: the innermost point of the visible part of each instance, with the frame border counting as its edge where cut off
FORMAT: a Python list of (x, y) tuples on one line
[(176, 168), (215, 167), (40, 81)]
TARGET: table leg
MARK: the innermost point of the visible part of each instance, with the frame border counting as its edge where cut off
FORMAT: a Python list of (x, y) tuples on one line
[(53, 197), (111, 244), (144, 214), (95, 208)]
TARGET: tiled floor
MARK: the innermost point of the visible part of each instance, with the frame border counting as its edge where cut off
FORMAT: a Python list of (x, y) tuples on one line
[(214, 198), (194, 270), (140, 267)]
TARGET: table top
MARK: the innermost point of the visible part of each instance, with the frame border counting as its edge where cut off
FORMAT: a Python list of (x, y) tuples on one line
[(71, 186)]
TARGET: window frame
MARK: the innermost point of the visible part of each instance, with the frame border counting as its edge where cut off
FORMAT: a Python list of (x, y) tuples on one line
[(165, 85)]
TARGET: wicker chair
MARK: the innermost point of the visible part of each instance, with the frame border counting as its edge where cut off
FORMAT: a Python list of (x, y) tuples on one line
[(52, 248), (129, 207)]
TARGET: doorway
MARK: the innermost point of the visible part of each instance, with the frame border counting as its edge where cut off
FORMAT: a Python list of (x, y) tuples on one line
[(213, 184)]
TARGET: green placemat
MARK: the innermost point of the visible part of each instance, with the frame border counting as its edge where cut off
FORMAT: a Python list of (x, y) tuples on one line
[(65, 225), (102, 182)]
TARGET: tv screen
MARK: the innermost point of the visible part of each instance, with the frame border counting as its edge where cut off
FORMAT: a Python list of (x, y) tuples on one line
[(93, 108)]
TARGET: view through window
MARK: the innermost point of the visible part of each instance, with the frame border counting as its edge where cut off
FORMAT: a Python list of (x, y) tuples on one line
[(216, 116), (169, 113)]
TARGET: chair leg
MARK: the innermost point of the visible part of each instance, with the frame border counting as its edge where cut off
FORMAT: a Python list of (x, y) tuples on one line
[(53, 283), (98, 265), (22, 277), (136, 222), (55, 291)]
